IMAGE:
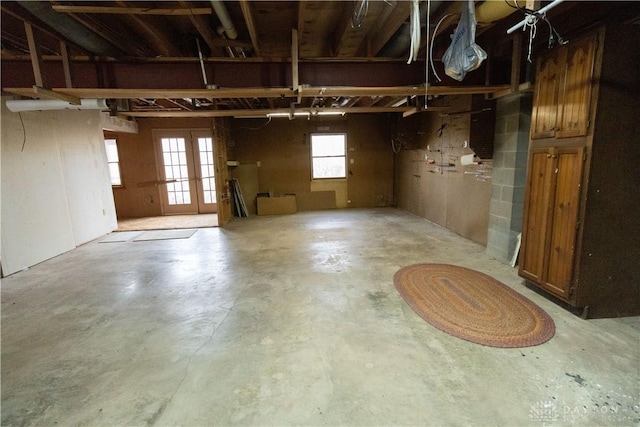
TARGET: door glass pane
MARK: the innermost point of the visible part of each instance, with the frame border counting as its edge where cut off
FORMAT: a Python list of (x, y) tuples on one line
[(175, 167), (205, 146)]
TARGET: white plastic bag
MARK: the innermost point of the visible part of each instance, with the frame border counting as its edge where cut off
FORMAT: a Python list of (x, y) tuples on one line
[(464, 55)]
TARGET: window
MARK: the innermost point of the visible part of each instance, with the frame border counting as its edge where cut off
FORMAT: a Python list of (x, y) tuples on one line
[(328, 154), (114, 161), (176, 170), (205, 147)]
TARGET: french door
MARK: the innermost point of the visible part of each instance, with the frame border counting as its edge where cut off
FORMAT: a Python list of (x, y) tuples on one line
[(186, 171)]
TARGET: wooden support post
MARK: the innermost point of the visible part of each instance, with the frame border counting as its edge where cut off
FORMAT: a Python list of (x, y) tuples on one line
[(36, 55), (294, 59), (515, 62), (66, 64)]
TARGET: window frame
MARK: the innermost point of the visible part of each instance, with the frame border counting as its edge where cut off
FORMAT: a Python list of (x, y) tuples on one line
[(344, 156), (109, 163)]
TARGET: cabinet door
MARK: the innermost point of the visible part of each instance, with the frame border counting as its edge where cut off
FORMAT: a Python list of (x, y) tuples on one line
[(575, 88), (536, 215), (565, 207), (545, 103)]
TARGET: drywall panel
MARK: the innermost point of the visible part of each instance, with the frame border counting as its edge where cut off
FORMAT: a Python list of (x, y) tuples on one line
[(430, 180), (280, 148), (36, 224), (55, 188), (316, 200), (84, 162), (338, 186), (468, 204), (370, 162)]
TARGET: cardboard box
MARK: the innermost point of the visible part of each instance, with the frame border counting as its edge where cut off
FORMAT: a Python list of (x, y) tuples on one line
[(278, 205)]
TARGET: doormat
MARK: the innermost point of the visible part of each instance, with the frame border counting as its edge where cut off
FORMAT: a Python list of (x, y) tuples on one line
[(473, 306), (164, 235), (120, 236)]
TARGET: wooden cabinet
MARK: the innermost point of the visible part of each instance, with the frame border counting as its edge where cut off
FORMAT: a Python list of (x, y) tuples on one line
[(563, 90), (551, 222), (580, 229)]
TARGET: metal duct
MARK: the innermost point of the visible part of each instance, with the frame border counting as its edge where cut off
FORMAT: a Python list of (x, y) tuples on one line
[(491, 11), (401, 41), (223, 16), (71, 29)]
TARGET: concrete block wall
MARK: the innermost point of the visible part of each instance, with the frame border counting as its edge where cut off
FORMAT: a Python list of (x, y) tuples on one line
[(513, 121)]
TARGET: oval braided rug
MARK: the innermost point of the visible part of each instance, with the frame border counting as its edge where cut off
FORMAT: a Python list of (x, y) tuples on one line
[(473, 306)]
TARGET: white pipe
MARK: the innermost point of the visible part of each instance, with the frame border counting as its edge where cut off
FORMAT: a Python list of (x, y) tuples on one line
[(18, 105), (223, 15), (541, 12)]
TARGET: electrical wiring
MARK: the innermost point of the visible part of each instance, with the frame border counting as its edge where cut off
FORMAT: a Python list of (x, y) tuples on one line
[(395, 149), (426, 60), (531, 20), (259, 127), (433, 39), (359, 13), (24, 132), (415, 31), (533, 29)]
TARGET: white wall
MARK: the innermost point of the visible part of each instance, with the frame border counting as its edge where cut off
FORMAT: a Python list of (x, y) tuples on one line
[(55, 187)]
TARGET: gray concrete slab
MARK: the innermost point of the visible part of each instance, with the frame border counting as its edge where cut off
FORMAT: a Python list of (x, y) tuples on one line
[(286, 320)]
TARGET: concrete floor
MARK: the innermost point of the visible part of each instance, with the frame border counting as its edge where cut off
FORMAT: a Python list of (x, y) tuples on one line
[(290, 320)]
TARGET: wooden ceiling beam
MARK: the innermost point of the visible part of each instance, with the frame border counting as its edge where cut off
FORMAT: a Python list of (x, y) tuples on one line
[(399, 90), (156, 38), (124, 41), (21, 15), (263, 113), (351, 39), (273, 92), (245, 5), (342, 27), (302, 10), (206, 31), (165, 93), (400, 13), (132, 10), (41, 92), (7, 56)]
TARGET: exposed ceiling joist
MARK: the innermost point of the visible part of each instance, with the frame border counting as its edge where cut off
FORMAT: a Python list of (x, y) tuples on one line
[(132, 10), (156, 38), (245, 5), (263, 113), (205, 30), (305, 91), (398, 16)]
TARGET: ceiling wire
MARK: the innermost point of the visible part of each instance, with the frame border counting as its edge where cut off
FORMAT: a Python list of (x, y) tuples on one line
[(415, 31), (433, 40), (426, 60), (359, 13), (24, 133), (531, 20)]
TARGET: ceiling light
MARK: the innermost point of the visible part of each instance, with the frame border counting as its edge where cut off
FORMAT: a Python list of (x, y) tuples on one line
[(331, 113)]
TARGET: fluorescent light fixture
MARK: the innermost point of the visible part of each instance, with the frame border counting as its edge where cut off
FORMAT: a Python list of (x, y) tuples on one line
[(19, 105), (399, 103), (307, 114), (331, 113)]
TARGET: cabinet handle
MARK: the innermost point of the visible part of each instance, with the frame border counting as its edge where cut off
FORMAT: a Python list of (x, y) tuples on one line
[(548, 156)]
